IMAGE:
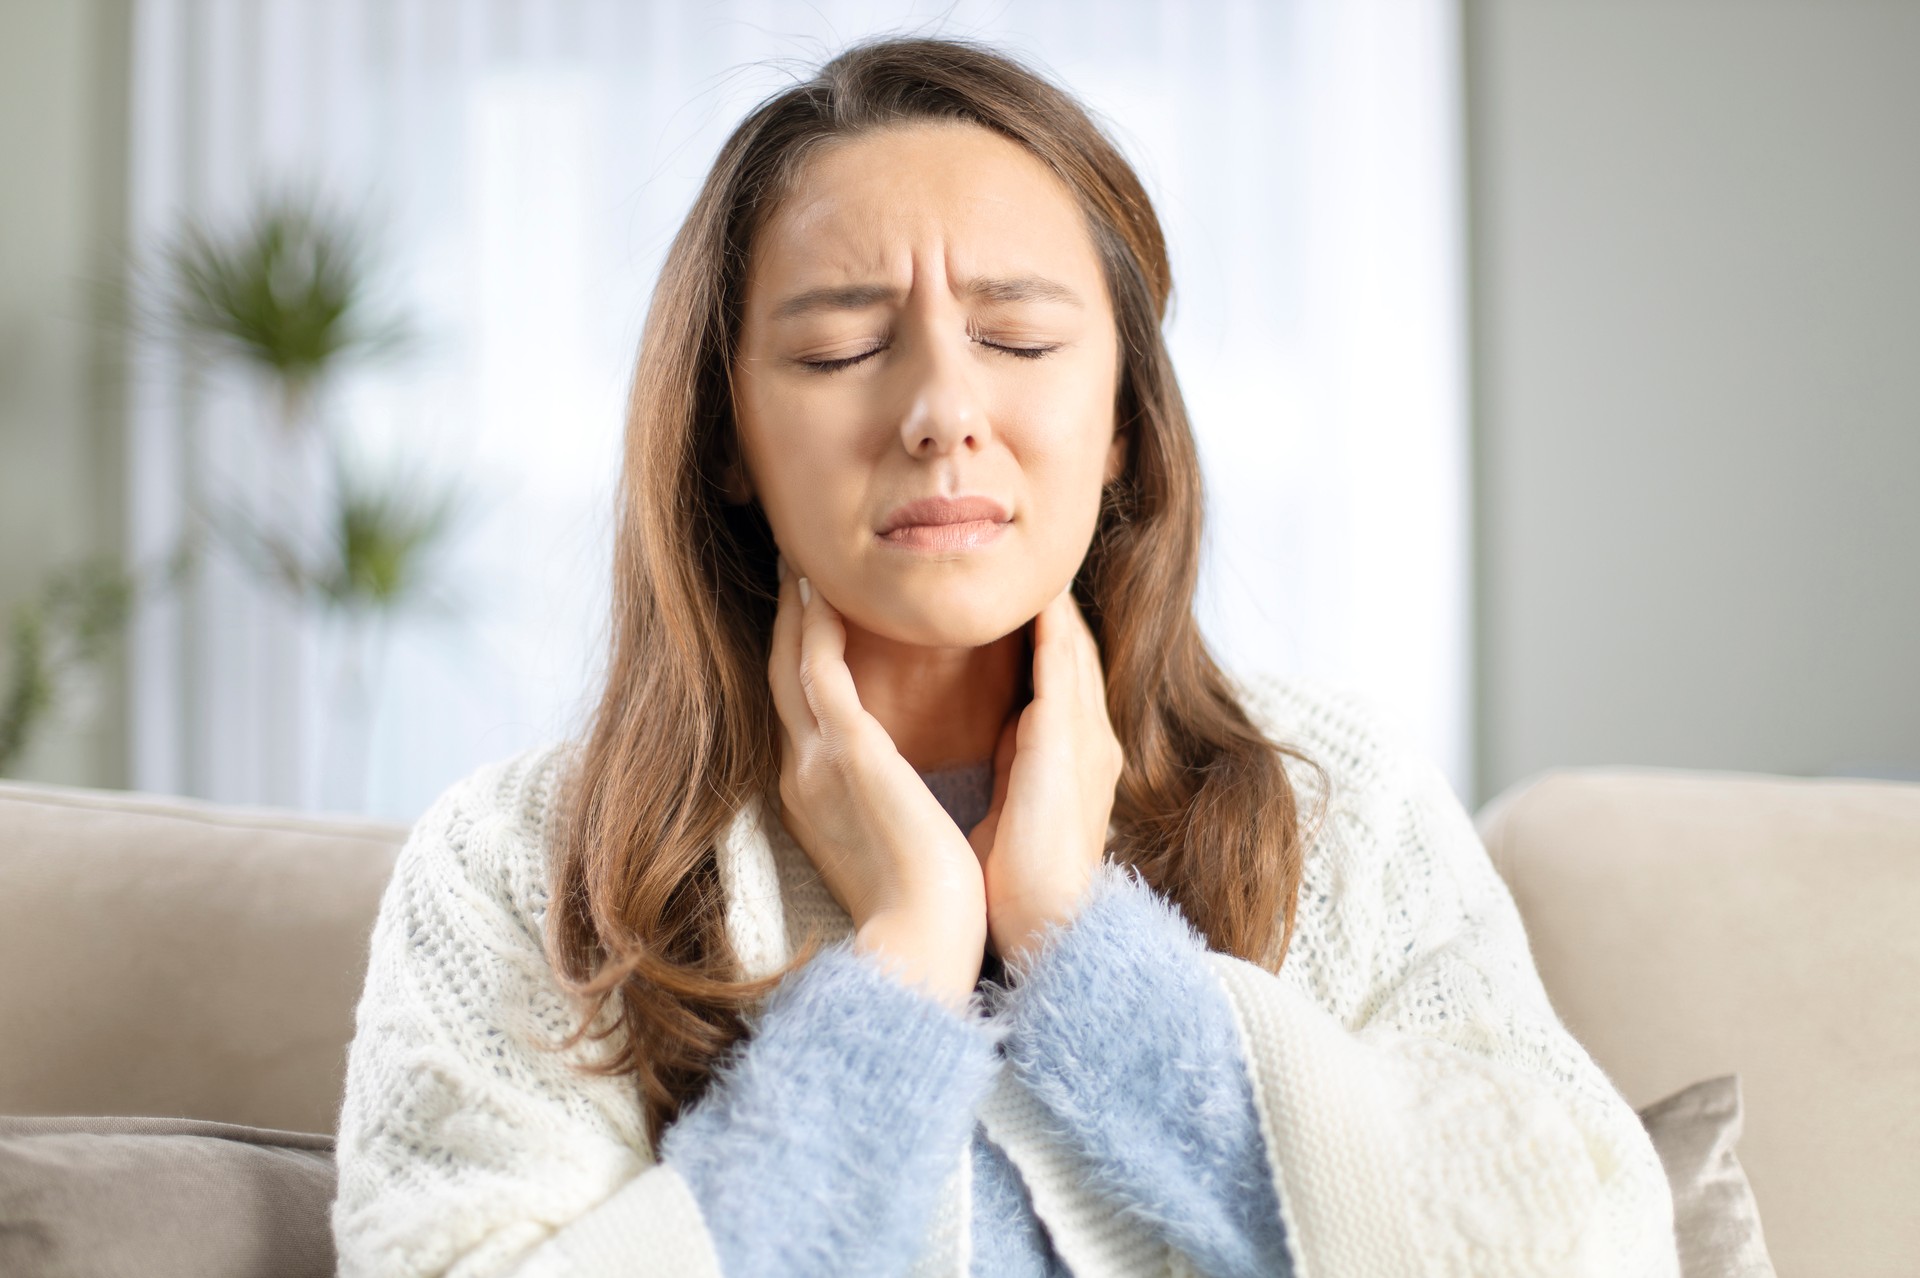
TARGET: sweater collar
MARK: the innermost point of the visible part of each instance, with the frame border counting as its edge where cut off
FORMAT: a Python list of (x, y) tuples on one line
[(773, 893), (774, 896)]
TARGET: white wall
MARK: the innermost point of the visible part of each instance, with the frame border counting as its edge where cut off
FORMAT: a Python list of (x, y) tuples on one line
[(63, 68), (1696, 231)]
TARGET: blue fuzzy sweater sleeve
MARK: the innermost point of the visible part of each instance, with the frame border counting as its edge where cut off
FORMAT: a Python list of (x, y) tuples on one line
[(1120, 1030), (823, 1143)]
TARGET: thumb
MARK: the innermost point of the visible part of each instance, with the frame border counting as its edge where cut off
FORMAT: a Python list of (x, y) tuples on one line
[(1003, 753), (983, 834)]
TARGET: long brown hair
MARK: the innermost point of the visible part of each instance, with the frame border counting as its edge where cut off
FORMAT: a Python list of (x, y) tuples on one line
[(685, 730)]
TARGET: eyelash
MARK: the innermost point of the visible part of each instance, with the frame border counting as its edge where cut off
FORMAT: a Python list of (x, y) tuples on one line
[(834, 365)]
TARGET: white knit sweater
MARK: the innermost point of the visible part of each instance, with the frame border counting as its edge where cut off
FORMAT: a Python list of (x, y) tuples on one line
[(1425, 1111)]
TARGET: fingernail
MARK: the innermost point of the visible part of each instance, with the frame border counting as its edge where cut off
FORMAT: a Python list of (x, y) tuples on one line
[(806, 591), (782, 560)]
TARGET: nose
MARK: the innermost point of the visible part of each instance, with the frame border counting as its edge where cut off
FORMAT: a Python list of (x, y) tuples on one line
[(944, 411)]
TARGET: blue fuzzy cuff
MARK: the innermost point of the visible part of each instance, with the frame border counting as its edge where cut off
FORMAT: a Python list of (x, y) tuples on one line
[(823, 1143), (1123, 1033)]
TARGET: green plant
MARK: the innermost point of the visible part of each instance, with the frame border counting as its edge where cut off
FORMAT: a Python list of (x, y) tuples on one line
[(382, 530), (59, 635), (387, 527), (289, 293)]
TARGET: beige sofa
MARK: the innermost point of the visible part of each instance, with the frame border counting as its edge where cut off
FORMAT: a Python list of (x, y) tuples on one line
[(174, 958)]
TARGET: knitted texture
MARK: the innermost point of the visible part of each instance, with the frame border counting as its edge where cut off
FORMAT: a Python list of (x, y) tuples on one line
[(964, 790), (1423, 1109), (1008, 1239), (1118, 1027), (822, 1144), (464, 1146)]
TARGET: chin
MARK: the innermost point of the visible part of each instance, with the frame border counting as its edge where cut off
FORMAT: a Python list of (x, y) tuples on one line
[(948, 617)]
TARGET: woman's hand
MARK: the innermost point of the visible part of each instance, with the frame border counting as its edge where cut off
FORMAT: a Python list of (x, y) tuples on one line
[(886, 849), (1054, 775)]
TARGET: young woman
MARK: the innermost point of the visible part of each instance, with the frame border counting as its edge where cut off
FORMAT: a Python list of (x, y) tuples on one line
[(923, 898)]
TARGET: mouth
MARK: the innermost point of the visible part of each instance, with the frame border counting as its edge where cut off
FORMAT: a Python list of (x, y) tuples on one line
[(933, 511), (962, 536), (945, 523)]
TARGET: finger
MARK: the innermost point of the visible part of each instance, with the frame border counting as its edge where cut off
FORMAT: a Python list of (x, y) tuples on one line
[(1003, 754), (986, 829), (1055, 675), (1090, 685), (823, 673), (1093, 678), (1099, 714), (783, 664)]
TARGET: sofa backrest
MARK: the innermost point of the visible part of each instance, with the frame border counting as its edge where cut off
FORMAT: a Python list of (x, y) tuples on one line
[(1689, 924), (174, 958)]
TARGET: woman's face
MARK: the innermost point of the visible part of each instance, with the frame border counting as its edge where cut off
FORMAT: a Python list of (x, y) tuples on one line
[(926, 317)]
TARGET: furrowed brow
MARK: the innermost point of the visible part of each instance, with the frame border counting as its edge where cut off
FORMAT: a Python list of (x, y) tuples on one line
[(857, 297), (835, 297), (1022, 288)]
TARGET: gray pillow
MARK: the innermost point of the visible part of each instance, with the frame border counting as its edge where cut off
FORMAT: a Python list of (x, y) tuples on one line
[(1715, 1216), (159, 1197)]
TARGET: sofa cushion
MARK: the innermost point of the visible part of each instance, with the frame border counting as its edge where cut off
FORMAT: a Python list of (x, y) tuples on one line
[(172, 956), (1715, 1216), (1689, 924), (159, 1197)]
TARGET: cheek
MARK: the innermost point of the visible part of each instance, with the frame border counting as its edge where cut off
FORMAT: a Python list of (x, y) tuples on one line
[(803, 464), (1067, 431), (1063, 457)]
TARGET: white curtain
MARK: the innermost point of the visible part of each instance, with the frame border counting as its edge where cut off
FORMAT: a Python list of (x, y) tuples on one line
[(526, 162)]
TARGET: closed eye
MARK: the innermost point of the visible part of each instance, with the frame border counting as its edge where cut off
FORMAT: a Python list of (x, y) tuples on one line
[(1023, 352), (834, 365), (831, 365)]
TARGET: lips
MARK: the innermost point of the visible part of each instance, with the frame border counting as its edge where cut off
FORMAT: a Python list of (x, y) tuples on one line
[(938, 511)]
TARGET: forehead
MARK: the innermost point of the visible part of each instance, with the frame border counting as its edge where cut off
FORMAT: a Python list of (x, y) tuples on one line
[(888, 204)]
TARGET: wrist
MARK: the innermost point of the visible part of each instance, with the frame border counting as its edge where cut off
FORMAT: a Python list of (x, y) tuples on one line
[(1018, 923), (926, 950)]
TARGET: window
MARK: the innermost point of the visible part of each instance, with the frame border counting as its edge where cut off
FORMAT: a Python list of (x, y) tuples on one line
[(524, 165)]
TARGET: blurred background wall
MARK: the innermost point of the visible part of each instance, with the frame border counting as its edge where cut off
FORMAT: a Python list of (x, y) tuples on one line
[(63, 193), (1696, 282)]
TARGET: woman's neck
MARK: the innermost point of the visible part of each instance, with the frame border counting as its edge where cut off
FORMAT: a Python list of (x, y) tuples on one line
[(941, 706)]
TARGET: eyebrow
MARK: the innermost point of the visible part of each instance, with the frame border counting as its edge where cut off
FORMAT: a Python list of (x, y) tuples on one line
[(855, 297)]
